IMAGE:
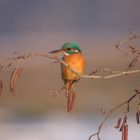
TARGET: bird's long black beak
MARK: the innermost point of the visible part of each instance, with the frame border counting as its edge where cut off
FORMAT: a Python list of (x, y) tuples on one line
[(56, 51)]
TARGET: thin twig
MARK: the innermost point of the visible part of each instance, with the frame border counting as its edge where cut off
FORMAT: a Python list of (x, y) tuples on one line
[(133, 50), (130, 37), (110, 76), (133, 62), (43, 54), (110, 112), (26, 56)]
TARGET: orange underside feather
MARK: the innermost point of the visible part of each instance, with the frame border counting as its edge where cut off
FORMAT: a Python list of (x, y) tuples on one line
[(77, 62)]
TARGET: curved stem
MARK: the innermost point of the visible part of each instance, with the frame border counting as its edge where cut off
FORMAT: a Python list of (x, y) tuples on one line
[(109, 113)]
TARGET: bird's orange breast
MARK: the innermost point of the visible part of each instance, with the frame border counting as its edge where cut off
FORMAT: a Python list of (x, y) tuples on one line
[(77, 62)]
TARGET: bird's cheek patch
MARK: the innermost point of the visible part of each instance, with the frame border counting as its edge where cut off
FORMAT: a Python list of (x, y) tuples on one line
[(66, 54)]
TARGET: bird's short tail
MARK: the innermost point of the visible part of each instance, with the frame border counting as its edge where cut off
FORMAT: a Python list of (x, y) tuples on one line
[(70, 96)]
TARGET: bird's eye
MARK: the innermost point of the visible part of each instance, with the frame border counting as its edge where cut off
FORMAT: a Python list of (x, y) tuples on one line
[(68, 49)]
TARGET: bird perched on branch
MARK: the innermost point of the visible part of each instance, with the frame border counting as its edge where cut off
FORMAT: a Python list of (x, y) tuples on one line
[(72, 56)]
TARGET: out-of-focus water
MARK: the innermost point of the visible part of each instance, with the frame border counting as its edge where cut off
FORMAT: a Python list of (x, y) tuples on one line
[(60, 126)]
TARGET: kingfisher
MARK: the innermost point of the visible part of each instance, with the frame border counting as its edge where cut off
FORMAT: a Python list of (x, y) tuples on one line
[(73, 57)]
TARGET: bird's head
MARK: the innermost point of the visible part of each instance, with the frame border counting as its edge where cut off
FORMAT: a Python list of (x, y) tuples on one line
[(68, 49)]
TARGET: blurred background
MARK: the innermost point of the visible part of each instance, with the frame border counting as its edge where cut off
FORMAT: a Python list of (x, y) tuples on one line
[(44, 25)]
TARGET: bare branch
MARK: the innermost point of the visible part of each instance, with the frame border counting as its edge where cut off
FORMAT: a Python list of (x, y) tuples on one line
[(1, 87), (130, 37), (110, 76), (26, 56), (110, 112), (132, 50)]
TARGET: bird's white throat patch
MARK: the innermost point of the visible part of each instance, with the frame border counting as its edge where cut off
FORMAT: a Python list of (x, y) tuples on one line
[(76, 51), (66, 54)]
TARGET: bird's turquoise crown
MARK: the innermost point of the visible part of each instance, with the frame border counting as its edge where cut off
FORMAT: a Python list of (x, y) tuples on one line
[(71, 48)]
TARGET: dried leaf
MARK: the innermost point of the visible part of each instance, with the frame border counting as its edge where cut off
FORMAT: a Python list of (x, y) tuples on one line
[(15, 75), (138, 117), (1, 87), (128, 107), (122, 132), (125, 132), (118, 123), (123, 123)]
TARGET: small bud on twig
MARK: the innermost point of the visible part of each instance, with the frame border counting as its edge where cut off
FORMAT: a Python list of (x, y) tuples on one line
[(117, 46)]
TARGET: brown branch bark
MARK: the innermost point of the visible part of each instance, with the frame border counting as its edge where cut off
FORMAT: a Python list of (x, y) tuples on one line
[(132, 50), (27, 56), (110, 112), (131, 36)]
